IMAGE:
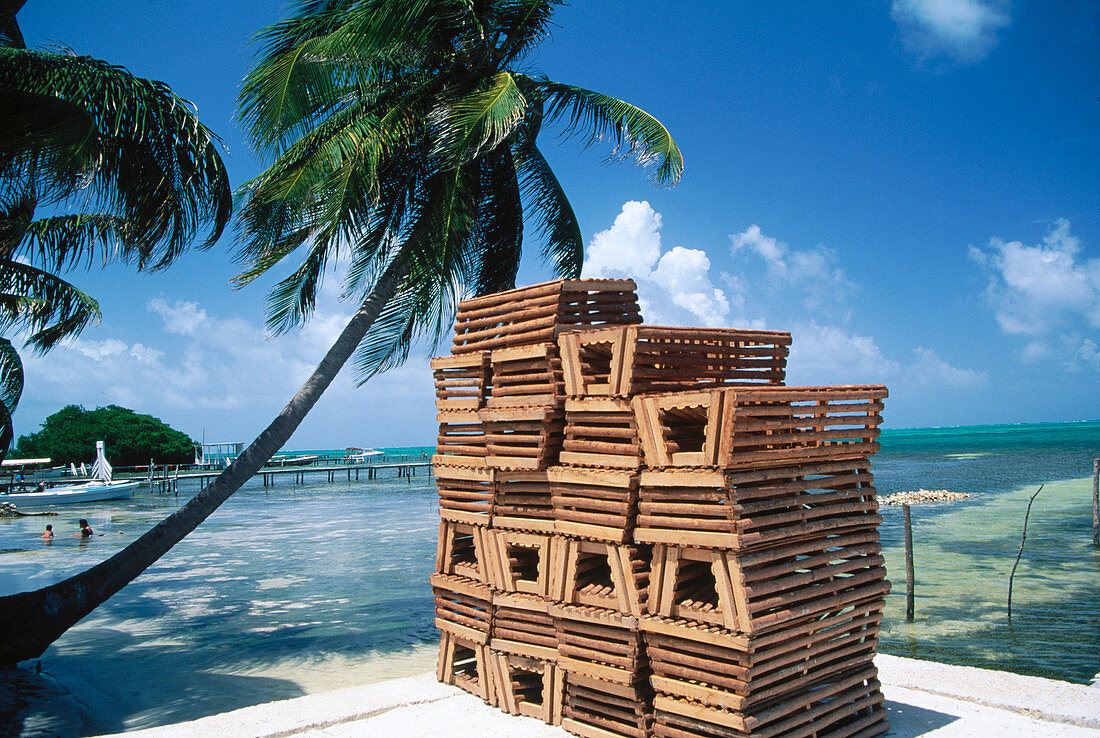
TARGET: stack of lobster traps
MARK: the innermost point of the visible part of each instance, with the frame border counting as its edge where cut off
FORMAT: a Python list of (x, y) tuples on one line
[(501, 409), (644, 532)]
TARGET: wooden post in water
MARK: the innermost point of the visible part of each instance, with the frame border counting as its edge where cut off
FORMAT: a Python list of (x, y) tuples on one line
[(909, 595), (1096, 503)]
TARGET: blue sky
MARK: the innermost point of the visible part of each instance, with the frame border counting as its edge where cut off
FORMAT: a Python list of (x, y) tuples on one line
[(911, 187)]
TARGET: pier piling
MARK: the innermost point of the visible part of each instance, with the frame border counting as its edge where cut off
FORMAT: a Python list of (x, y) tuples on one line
[(909, 585), (1096, 503)]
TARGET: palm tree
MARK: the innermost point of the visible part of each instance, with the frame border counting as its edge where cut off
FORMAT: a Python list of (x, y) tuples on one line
[(78, 132), (403, 140)]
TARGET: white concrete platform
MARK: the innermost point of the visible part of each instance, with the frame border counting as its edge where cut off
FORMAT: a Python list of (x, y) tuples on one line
[(922, 698)]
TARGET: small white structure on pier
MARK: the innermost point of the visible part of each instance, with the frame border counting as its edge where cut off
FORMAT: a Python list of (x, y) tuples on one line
[(210, 454)]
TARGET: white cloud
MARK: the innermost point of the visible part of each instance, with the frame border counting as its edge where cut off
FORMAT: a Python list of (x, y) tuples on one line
[(145, 354), (629, 248), (1045, 292), (962, 30), (182, 318), (1088, 353), (931, 370), (811, 274), (674, 288), (827, 354), (99, 350), (684, 275)]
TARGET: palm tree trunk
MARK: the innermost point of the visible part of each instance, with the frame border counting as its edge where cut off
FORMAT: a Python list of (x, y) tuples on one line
[(34, 620)]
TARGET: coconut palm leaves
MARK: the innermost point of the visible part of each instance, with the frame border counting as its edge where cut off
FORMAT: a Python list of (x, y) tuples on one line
[(130, 153), (409, 130), (129, 146)]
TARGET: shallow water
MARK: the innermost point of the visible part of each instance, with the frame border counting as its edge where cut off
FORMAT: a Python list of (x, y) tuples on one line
[(291, 590), (964, 551), (283, 591)]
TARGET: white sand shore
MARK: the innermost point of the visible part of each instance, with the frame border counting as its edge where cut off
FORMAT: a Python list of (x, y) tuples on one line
[(923, 698)]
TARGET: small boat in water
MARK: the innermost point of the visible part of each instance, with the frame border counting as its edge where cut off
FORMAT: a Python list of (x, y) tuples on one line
[(99, 489), (293, 460), (87, 492), (354, 455)]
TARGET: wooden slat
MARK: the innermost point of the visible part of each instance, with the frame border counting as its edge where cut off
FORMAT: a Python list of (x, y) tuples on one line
[(541, 313)]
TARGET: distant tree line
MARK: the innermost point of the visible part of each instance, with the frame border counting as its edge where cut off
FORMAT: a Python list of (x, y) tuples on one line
[(69, 435)]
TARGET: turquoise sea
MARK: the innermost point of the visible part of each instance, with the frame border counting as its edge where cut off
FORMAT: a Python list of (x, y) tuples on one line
[(289, 589)]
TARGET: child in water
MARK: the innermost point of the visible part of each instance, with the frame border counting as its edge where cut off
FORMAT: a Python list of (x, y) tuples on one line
[(48, 535)]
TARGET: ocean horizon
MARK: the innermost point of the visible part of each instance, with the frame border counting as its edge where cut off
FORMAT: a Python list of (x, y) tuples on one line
[(294, 589)]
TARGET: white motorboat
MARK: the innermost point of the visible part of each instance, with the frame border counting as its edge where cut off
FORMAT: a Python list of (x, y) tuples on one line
[(87, 492), (99, 489)]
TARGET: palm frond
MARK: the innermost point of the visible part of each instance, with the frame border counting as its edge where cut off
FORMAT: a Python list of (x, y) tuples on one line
[(64, 241), (17, 207), (11, 376), (292, 300), (153, 162), (563, 245), (479, 121), (282, 97), (437, 244), (50, 307), (499, 238), (11, 387), (7, 432), (384, 223), (520, 25), (59, 132), (601, 116), (10, 35)]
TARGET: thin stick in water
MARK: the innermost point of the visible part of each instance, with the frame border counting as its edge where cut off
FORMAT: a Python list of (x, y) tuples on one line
[(1021, 552)]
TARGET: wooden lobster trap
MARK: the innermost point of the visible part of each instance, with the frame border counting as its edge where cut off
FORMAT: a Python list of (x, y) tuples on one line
[(522, 625), (601, 432), (599, 643), (518, 561), (541, 312), (463, 607), (601, 574), (465, 550), (461, 382), (461, 440), (600, 504), (597, 708), (465, 493), (630, 360), (523, 437), (464, 663), (526, 375), (746, 509), (521, 501), (849, 705), (758, 427), (526, 686), (769, 589), (727, 670)]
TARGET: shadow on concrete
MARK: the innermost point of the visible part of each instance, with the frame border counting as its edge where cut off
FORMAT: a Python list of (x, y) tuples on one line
[(907, 721), (113, 682)]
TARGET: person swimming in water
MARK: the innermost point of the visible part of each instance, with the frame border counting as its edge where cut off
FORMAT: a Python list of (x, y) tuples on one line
[(85, 529), (48, 535)]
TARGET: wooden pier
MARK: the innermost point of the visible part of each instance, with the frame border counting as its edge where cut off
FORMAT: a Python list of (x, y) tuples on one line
[(298, 474)]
